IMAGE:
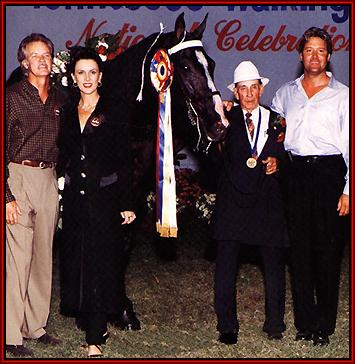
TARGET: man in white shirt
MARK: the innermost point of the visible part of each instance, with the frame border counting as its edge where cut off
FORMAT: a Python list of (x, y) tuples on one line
[(316, 108)]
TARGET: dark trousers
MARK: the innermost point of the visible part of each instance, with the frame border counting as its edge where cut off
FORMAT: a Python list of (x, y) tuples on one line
[(314, 188), (225, 287), (95, 327)]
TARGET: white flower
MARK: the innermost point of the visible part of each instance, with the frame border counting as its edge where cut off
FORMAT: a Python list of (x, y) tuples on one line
[(63, 67), (151, 200), (57, 61), (55, 68), (61, 182), (100, 43), (103, 57), (65, 81)]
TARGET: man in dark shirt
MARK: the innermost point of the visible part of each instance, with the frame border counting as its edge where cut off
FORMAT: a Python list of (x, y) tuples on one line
[(32, 122)]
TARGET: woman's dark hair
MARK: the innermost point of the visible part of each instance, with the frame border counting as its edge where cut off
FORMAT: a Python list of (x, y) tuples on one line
[(78, 53), (33, 37), (317, 33)]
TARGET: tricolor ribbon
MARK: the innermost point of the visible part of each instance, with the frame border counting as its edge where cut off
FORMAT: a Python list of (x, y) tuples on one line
[(161, 74)]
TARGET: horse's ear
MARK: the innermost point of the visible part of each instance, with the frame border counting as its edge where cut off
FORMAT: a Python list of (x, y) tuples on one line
[(180, 26), (201, 28)]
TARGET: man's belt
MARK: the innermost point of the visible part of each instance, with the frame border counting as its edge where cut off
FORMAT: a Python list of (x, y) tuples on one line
[(41, 164), (312, 159)]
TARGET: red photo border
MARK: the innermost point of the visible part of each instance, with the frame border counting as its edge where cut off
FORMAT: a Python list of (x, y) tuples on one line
[(4, 3)]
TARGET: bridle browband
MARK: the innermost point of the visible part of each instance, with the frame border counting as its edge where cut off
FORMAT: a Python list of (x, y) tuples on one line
[(183, 45)]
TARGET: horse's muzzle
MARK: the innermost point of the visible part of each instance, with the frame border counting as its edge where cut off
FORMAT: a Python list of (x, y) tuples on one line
[(217, 132)]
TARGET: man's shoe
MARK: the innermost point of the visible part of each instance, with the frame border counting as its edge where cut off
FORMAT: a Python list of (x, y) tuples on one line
[(320, 338), (48, 340), (228, 338), (18, 350), (303, 336), (274, 335)]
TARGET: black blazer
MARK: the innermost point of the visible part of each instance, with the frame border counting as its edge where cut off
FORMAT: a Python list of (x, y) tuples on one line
[(101, 152), (249, 206)]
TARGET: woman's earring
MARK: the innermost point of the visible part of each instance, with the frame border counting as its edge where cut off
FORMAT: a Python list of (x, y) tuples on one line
[(75, 84), (99, 84)]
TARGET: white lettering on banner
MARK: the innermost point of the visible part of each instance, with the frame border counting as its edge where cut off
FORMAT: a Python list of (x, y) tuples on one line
[(340, 14), (229, 37)]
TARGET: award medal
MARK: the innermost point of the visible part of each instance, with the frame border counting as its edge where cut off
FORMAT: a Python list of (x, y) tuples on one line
[(252, 161)]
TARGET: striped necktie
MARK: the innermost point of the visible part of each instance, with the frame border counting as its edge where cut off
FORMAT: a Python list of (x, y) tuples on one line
[(250, 124)]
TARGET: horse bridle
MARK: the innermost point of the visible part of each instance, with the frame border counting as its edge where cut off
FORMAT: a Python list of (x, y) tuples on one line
[(191, 112), (177, 48)]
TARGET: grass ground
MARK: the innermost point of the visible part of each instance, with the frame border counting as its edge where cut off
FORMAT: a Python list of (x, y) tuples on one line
[(174, 301)]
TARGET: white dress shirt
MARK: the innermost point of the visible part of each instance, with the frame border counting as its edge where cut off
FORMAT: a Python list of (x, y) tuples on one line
[(264, 125), (318, 125)]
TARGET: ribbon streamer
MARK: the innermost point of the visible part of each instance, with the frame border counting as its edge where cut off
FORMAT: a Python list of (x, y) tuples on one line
[(161, 74), (140, 94)]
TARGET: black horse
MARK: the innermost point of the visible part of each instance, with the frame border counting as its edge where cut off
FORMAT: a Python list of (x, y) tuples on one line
[(197, 113)]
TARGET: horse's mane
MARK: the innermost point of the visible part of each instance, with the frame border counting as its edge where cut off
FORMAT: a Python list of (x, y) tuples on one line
[(123, 75)]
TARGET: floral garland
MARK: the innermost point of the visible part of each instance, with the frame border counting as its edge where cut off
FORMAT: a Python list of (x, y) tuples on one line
[(190, 196), (278, 128), (205, 205), (106, 45)]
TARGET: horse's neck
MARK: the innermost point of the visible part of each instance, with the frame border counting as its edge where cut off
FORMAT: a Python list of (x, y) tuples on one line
[(125, 71)]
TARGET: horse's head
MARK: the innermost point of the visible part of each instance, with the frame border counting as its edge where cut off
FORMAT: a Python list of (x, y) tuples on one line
[(193, 69)]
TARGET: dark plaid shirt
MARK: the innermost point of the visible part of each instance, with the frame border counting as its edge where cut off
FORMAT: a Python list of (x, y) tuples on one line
[(31, 125)]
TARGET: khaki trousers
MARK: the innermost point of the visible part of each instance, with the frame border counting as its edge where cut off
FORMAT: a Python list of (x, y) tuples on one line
[(29, 252)]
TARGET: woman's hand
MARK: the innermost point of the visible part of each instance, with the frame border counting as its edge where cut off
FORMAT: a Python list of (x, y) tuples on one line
[(128, 216)]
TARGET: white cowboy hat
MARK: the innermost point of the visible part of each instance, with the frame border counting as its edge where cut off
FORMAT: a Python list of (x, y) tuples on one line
[(246, 71)]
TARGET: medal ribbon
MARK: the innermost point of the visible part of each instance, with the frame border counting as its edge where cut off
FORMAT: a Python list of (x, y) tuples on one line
[(161, 74), (253, 147)]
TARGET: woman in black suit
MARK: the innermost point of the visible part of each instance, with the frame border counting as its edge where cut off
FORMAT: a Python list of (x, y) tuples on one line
[(94, 157)]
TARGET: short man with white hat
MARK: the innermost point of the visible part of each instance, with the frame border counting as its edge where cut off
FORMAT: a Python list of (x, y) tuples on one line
[(249, 205)]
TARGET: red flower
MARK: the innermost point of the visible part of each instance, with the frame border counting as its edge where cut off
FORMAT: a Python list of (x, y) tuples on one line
[(281, 137), (119, 50), (111, 56), (101, 50)]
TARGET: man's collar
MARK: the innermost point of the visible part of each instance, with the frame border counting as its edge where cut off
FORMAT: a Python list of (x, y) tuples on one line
[(331, 83), (253, 112)]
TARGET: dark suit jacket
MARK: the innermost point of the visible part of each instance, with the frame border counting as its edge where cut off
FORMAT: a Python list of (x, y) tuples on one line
[(249, 205)]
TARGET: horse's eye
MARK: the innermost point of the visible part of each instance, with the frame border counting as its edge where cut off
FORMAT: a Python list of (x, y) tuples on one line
[(185, 67)]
